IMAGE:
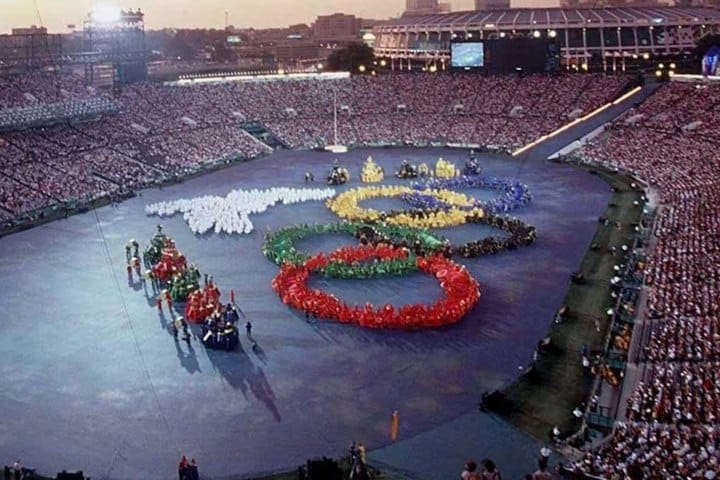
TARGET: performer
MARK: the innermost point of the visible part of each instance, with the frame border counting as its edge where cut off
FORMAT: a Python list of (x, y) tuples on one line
[(174, 329), (135, 262), (179, 324), (150, 276), (165, 295)]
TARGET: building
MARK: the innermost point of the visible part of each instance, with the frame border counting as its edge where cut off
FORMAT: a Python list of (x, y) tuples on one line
[(602, 34), (30, 48), (421, 7), (492, 5), (31, 30), (444, 7), (336, 28), (610, 3)]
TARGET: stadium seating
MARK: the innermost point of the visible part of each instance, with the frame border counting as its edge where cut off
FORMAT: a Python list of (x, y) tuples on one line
[(672, 418), (160, 132)]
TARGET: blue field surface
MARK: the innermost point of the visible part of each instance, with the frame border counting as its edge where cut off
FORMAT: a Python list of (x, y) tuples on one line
[(91, 378)]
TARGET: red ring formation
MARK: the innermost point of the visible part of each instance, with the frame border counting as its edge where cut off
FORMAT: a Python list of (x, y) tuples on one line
[(460, 289)]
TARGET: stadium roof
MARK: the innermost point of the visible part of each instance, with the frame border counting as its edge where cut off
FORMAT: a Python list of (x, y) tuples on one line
[(557, 16)]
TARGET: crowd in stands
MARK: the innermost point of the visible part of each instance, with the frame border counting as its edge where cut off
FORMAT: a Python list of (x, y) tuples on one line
[(655, 451), (41, 87), (672, 428), (162, 132)]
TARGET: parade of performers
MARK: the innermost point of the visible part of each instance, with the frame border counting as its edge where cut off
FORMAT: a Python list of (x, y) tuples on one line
[(174, 282), (177, 283)]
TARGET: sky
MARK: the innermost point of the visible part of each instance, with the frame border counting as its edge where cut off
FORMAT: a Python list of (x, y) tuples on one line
[(57, 14)]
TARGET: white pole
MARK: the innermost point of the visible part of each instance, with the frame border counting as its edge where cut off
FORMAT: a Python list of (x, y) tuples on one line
[(335, 113)]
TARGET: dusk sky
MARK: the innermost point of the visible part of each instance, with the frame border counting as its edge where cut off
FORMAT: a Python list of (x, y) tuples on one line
[(56, 14)]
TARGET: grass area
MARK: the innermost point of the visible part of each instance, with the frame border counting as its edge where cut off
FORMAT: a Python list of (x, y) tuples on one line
[(547, 395)]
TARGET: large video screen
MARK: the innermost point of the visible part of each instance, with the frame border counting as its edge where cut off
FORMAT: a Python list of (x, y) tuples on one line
[(521, 55), (467, 55)]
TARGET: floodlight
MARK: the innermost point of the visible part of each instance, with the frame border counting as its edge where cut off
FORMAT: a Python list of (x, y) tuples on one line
[(106, 14)]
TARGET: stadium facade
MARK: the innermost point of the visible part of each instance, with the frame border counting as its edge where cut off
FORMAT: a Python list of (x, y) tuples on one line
[(606, 33)]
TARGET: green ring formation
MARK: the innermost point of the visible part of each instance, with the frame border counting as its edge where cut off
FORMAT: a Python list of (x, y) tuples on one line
[(280, 248), (280, 245)]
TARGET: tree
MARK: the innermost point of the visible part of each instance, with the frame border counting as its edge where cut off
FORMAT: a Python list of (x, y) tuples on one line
[(352, 58), (703, 45), (181, 48), (221, 52)]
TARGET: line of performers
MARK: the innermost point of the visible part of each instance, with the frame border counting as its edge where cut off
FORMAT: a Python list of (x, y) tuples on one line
[(174, 281)]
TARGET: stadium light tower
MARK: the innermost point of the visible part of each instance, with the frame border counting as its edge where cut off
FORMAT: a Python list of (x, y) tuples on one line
[(106, 14), (114, 46)]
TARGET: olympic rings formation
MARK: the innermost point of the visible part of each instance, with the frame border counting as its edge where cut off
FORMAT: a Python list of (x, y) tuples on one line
[(397, 242)]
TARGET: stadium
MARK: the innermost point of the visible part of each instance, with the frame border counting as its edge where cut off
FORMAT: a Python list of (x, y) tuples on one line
[(580, 34), (439, 266)]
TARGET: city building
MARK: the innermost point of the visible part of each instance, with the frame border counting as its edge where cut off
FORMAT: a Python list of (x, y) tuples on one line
[(444, 7), (30, 47), (421, 7), (31, 30), (611, 3), (492, 4), (336, 28)]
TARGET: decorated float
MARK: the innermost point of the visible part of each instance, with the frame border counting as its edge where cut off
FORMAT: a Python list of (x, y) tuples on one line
[(445, 169), (338, 175), (371, 172), (407, 170)]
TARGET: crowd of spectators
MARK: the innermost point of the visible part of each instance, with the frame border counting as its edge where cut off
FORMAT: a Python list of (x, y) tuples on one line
[(41, 87), (655, 451), (672, 429), (162, 132)]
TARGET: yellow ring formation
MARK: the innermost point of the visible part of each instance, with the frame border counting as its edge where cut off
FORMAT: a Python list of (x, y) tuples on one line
[(347, 206)]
